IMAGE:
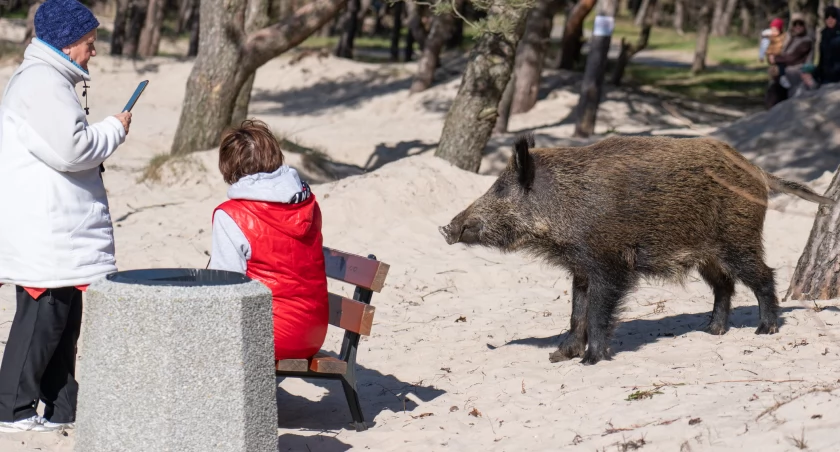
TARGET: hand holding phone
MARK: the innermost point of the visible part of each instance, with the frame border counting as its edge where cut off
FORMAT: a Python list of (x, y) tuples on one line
[(125, 120)]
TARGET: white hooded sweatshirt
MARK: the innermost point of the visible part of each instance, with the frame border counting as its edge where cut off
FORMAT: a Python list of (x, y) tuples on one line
[(55, 225)]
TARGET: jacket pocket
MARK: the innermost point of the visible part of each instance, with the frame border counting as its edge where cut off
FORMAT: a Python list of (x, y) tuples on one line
[(92, 240)]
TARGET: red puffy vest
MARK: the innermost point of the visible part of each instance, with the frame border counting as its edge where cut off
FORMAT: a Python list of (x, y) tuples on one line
[(287, 256)]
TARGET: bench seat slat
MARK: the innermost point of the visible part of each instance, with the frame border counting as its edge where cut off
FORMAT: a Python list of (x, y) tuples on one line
[(354, 269), (351, 315), (321, 363), (293, 365), (326, 364)]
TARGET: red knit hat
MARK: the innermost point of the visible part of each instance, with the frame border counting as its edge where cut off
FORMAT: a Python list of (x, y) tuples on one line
[(777, 23)]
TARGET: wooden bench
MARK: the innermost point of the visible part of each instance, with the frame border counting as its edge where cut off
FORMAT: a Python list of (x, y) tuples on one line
[(355, 316)]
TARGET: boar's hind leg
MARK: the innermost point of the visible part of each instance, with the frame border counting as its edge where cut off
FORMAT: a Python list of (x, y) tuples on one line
[(575, 343), (748, 266), (605, 293), (723, 287)]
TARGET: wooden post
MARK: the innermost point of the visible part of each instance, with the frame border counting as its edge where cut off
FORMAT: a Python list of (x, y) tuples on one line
[(596, 65)]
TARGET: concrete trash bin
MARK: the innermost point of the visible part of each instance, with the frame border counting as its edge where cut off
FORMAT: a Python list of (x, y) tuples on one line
[(176, 360)]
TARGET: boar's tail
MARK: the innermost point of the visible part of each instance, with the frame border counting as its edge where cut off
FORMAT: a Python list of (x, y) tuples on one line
[(795, 188)]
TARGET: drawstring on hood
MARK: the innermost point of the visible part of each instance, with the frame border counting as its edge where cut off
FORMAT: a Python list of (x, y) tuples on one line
[(84, 80)]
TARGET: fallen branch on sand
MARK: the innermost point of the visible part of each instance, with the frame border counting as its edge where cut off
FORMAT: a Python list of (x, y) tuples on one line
[(778, 405), (140, 209), (758, 380)]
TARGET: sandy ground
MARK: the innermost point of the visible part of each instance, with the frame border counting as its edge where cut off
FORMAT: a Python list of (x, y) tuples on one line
[(428, 382)]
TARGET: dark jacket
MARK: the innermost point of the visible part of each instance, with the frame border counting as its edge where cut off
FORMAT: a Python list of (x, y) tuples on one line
[(828, 68), (796, 51)]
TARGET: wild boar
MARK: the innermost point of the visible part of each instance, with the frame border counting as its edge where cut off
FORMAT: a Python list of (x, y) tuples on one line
[(627, 208)]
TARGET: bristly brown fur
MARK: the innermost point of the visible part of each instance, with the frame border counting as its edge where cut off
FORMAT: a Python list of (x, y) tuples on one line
[(627, 208)]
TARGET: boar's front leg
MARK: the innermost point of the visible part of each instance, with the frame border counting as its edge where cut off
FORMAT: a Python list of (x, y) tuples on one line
[(574, 344), (606, 290)]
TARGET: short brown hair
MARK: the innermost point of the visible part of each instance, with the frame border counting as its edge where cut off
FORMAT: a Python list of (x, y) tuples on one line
[(248, 149)]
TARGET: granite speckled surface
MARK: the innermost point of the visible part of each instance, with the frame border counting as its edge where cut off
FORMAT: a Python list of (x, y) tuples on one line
[(180, 369)]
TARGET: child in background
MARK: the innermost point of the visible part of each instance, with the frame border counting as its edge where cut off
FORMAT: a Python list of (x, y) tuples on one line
[(771, 44), (270, 230)]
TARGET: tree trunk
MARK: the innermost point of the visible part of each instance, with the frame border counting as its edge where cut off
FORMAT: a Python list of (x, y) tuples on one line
[(349, 27), (473, 113), (228, 57), (724, 22), (396, 13), (596, 65), (184, 14), (150, 35), (505, 102), (256, 17), (702, 44), (817, 274), (717, 15), (629, 50), (195, 28), (135, 27), (456, 38), (439, 32), (120, 20), (530, 55), (415, 27), (746, 20), (679, 16), (573, 33), (409, 46), (643, 11), (30, 23)]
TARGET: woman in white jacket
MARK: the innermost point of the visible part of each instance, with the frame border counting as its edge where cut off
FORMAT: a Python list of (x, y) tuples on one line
[(56, 235)]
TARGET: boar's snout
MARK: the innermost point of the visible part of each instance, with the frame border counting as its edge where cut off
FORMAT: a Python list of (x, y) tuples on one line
[(461, 230)]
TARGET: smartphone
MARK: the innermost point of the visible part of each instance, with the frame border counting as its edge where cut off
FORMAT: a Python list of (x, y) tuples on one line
[(136, 95)]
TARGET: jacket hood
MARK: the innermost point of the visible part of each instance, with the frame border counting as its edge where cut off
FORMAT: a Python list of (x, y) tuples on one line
[(40, 52), (279, 199), (279, 186)]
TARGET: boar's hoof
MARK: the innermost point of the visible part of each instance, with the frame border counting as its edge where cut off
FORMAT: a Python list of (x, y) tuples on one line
[(558, 356), (767, 327), (571, 347), (593, 356), (717, 328)]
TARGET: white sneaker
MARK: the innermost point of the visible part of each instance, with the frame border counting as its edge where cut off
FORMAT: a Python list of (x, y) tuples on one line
[(783, 80), (59, 425), (32, 424)]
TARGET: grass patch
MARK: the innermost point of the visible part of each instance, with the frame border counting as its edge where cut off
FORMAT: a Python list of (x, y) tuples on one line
[(152, 171), (10, 50), (640, 395), (729, 50), (738, 88), (19, 13)]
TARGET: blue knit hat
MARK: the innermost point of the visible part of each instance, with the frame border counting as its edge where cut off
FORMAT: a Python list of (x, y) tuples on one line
[(60, 23)]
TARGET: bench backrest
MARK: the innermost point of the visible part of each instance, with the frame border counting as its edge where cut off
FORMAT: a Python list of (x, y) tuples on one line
[(368, 275)]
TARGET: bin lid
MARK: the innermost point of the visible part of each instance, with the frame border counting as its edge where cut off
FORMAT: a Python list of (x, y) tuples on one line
[(183, 277)]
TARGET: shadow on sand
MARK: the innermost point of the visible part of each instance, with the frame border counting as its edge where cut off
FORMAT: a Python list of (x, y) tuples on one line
[(290, 442), (633, 334), (377, 393)]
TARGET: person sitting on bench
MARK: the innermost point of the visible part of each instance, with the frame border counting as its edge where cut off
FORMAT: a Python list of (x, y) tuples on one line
[(270, 230)]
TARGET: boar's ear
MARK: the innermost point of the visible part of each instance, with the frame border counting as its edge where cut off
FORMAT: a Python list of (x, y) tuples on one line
[(523, 162)]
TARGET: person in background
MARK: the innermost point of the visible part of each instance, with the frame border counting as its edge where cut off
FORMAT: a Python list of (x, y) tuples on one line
[(828, 68), (772, 40), (56, 235), (797, 48)]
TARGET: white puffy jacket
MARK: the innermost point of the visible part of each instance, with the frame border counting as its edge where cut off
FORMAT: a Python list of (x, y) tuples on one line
[(55, 226)]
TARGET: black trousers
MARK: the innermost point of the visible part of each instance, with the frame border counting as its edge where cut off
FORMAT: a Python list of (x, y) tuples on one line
[(39, 362)]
